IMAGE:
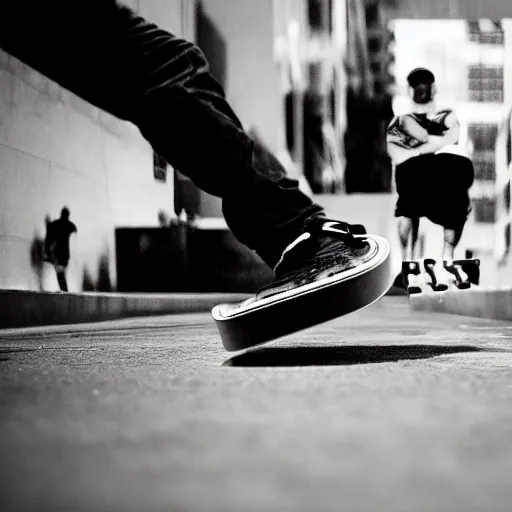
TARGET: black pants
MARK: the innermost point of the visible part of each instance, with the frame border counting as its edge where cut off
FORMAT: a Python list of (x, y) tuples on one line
[(436, 187), (114, 59)]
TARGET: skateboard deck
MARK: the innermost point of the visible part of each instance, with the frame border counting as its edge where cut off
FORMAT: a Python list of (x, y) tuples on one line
[(254, 322), (464, 274)]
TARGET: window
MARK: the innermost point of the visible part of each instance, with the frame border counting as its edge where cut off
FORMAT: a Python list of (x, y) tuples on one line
[(486, 32), (320, 15), (485, 210), (485, 83), (483, 136), (485, 170)]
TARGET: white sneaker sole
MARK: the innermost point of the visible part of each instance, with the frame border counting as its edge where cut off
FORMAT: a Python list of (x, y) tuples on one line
[(254, 322)]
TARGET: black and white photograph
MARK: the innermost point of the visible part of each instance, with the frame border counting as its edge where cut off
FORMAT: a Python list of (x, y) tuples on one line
[(255, 256)]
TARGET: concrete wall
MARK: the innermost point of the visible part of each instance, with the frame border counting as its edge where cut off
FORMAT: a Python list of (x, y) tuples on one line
[(56, 150), (251, 77)]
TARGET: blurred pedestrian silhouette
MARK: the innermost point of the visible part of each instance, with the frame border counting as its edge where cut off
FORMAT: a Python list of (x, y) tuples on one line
[(36, 259), (56, 245)]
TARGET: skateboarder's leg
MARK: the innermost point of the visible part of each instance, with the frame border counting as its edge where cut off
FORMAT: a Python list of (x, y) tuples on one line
[(453, 205), (161, 83), (408, 230), (451, 240), (410, 204), (409, 276), (439, 269), (141, 73), (60, 270)]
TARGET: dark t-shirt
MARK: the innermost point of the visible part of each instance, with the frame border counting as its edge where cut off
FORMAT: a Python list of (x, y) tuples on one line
[(57, 239)]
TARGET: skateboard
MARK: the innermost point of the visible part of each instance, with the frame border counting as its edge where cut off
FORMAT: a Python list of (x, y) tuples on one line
[(254, 322), (424, 277)]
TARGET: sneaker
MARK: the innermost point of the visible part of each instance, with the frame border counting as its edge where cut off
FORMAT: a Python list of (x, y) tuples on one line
[(324, 249), (331, 269)]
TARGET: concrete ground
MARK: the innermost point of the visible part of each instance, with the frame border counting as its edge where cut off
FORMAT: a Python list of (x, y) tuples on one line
[(383, 410)]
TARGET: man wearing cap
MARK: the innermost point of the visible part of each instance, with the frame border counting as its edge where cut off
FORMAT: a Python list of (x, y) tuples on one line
[(432, 175)]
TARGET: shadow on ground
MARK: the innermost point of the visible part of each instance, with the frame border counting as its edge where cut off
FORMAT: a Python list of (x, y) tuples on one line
[(342, 356)]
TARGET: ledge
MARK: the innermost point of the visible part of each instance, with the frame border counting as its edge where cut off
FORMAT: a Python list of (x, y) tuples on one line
[(20, 308), (476, 302)]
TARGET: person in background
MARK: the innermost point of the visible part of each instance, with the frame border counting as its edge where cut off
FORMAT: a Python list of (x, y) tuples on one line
[(432, 173), (56, 246)]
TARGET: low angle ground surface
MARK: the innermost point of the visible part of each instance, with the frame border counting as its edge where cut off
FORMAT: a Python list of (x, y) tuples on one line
[(383, 410)]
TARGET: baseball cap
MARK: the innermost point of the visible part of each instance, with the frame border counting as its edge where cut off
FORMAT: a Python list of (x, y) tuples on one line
[(420, 76)]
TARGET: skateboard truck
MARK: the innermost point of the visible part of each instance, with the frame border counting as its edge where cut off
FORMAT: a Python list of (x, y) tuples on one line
[(409, 268), (430, 270)]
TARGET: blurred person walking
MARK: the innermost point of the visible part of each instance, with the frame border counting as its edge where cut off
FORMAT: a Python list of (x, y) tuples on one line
[(56, 246)]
